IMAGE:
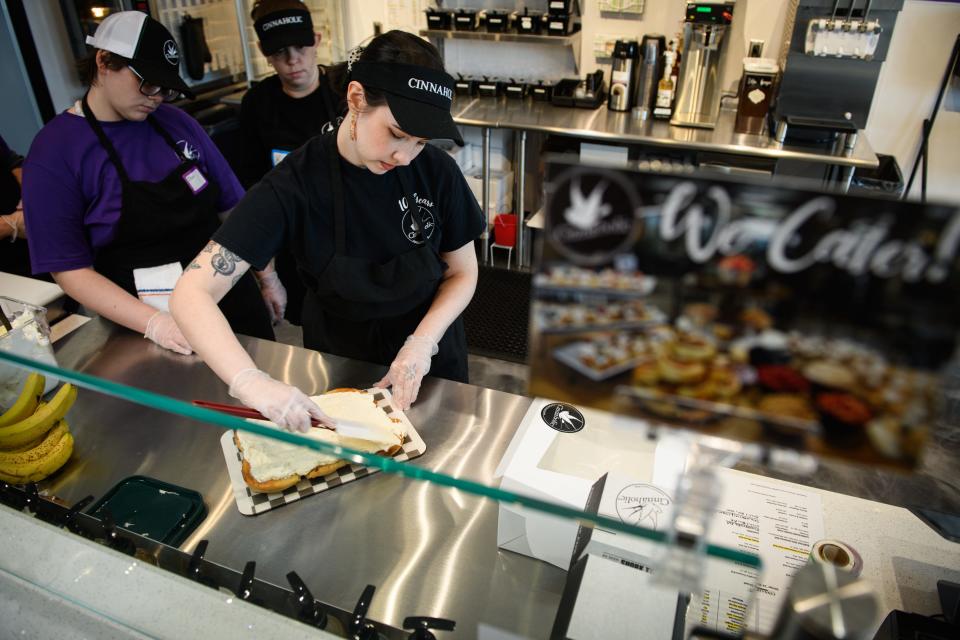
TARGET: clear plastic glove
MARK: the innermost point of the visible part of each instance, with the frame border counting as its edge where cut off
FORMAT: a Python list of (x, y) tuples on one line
[(274, 294), (408, 368), (163, 330), (285, 406)]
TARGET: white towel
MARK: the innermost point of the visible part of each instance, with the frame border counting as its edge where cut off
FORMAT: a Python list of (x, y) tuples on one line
[(155, 284)]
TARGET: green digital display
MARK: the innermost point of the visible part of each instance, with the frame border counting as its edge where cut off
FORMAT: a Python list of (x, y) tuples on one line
[(704, 9)]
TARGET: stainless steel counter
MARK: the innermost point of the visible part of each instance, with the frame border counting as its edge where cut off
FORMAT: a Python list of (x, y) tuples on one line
[(611, 126), (429, 550)]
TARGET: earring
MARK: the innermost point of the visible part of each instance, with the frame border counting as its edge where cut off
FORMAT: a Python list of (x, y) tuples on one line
[(353, 126)]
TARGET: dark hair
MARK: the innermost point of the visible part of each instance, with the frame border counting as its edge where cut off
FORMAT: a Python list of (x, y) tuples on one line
[(266, 7), (87, 65), (393, 46)]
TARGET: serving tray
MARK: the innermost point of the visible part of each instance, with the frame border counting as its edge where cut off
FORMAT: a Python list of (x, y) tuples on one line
[(251, 503)]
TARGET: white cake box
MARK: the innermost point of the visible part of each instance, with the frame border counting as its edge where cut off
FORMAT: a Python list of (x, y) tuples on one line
[(557, 454)]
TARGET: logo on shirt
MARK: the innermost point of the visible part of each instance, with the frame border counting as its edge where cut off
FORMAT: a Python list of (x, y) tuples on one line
[(189, 151), (331, 125), (409, 225), (170, 52)]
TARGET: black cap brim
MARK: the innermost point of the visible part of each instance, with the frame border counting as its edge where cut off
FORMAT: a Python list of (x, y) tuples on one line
[(162, 75), (423, 120), (287, 38)]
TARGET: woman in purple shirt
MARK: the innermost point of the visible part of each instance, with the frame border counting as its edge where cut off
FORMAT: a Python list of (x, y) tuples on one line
[(121, 191)]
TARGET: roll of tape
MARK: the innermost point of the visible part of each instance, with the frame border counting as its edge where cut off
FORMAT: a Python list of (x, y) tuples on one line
[(839, 554)]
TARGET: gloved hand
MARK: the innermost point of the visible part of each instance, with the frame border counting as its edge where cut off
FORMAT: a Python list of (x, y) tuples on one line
[(163, 330), (408, 368), (285, 406), (274, 294)]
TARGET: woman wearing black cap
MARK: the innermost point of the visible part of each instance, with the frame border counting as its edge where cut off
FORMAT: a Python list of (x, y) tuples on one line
[(382, 227), (121, 191), (282, 112)]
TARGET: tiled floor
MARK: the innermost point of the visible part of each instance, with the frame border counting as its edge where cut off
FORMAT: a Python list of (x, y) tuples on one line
[(936, 485)]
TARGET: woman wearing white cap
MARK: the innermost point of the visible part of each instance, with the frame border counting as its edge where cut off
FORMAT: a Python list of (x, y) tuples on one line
[(285, 110), (381, 225), (121, 191)]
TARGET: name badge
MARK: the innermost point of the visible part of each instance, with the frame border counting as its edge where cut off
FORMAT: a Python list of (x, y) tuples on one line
[(277, 155), (195, 180)]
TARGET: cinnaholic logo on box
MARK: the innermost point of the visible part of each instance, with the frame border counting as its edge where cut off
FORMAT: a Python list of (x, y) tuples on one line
[(593, 215), (642, 505), (562, 417)]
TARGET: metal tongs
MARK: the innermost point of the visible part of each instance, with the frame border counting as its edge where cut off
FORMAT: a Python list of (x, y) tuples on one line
[(343, 427)]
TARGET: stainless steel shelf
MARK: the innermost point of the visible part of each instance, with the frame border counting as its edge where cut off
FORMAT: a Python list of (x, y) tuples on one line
[(573, 41), (502, 37)]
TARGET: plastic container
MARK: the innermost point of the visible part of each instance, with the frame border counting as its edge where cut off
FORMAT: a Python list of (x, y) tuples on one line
[(439, 20), (505, 229), (152, 508), (498, 21), (541, 92), (886, 179), (30, 338), (529, 22), (466, 20)]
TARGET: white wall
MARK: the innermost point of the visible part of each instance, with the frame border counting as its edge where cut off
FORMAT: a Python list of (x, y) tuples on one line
[(21, 116), (53, 49), (906, 93)]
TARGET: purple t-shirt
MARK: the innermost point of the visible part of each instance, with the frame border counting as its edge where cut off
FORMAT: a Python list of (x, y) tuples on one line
[(71, 190)]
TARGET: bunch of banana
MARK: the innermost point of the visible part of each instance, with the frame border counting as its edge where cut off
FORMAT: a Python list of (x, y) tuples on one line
[(35, 439)]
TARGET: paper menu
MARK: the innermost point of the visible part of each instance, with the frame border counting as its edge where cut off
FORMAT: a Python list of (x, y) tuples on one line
[(775, 520)]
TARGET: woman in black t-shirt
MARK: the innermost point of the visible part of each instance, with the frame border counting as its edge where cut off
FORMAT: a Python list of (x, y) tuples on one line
[(381, 226), (282, 112)]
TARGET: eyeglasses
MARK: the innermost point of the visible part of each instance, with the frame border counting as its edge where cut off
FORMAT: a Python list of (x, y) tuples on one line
[(151, 90)]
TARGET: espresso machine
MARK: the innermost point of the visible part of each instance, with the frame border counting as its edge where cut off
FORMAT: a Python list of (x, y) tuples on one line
[(698, 97), (623, 76)]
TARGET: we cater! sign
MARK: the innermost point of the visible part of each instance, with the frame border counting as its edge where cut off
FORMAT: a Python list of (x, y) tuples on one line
[(755, 309), (597, 213)]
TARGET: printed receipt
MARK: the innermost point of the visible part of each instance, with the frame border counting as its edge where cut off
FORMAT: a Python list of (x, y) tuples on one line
[(777, 521)]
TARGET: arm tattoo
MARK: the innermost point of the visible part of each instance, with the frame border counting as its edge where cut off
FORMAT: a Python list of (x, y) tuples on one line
[(224, 261), (193, 265), (209, 247)]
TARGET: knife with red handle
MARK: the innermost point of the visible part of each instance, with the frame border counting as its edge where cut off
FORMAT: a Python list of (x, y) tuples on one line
[(247, 412), (343, 427)]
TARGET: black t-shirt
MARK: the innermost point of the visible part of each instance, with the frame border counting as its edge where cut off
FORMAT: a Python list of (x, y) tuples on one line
[(273, 121), (293, 206)]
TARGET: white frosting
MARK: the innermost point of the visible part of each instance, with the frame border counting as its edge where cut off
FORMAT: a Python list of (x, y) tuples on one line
[(272, 459)]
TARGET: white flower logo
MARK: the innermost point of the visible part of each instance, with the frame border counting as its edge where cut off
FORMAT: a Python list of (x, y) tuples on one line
[(585, 213), (170, 52)]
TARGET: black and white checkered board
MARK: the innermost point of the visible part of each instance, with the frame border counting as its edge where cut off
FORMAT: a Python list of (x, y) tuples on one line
[(251, 503)]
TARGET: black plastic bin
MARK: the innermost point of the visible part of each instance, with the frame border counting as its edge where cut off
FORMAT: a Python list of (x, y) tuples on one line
[(886, 179)]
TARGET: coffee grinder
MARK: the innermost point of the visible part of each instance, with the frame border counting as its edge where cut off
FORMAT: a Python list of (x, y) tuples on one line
[(698, 97), (623, 77)]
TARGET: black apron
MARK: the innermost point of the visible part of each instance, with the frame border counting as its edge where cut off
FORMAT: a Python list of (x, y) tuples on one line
[(361, 309), (162, 222)]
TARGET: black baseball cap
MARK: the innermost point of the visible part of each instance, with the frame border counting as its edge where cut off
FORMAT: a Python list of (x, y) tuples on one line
[(419, 97), (286, 28), (152, 51)]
